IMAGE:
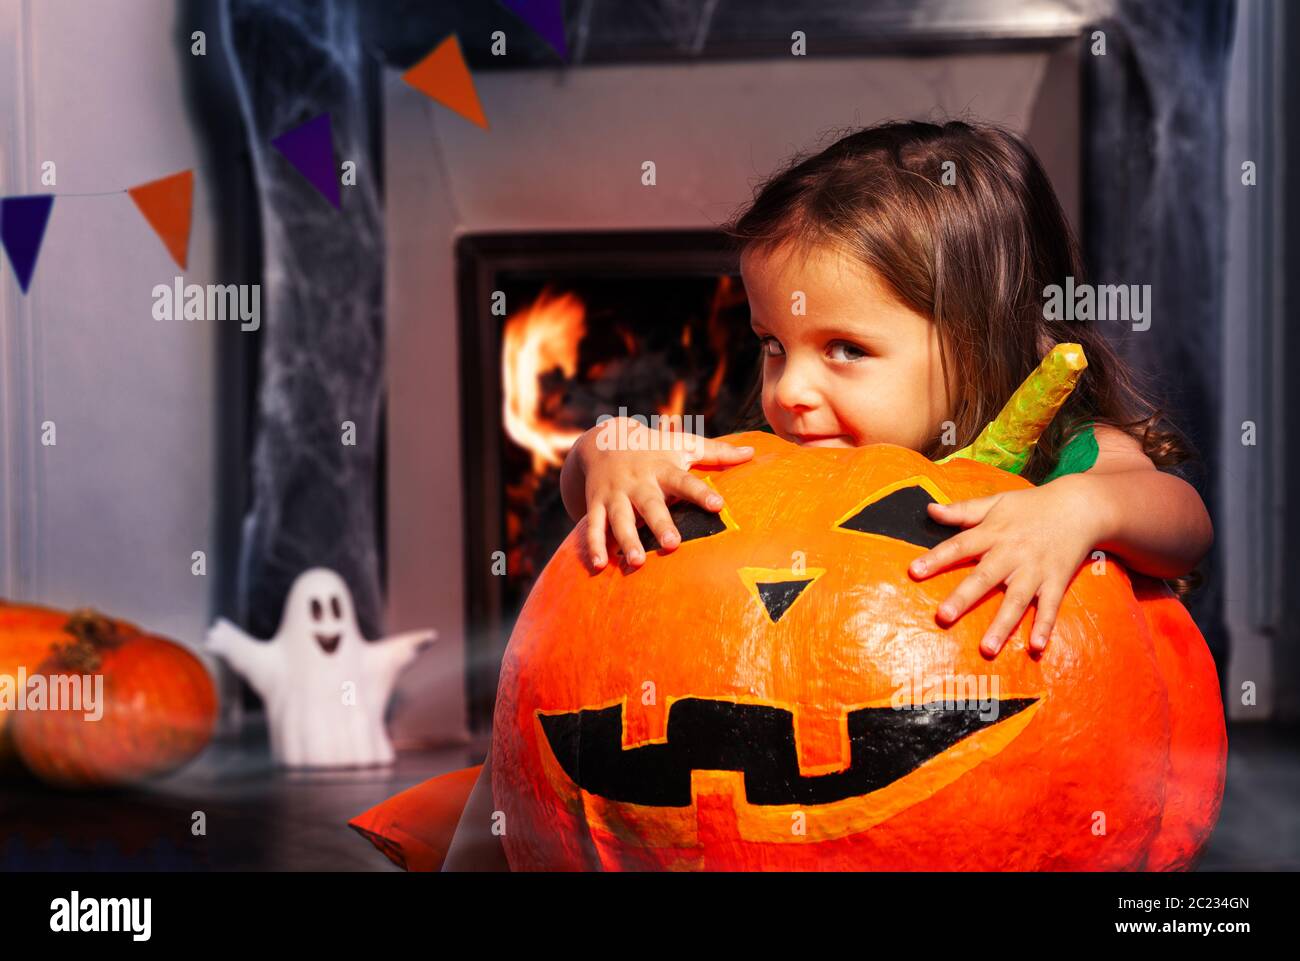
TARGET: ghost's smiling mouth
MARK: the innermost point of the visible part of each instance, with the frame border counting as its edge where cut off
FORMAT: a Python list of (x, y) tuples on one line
[(329, 643)]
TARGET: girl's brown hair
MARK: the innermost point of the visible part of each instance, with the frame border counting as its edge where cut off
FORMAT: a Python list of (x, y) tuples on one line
[(974, 251)]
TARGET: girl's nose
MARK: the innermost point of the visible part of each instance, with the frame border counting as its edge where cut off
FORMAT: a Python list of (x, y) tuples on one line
[(795, 389)]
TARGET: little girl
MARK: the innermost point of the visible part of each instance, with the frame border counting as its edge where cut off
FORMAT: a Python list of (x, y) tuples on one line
[(897, 283), (897, 304)]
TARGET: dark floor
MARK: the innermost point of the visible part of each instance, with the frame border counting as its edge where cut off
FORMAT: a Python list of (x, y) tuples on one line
[(261, 819), (1259, 826), (258, 818)]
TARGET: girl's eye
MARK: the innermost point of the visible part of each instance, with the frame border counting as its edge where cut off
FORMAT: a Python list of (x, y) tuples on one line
[(770, 346), (853, 352)]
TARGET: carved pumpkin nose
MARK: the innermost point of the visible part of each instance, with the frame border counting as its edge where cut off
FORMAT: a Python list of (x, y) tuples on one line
[(777, 589), (778, 597)]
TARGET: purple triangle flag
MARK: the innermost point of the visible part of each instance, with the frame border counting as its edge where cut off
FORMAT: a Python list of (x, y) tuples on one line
[(310, 148), (22, 228), (546, 17)]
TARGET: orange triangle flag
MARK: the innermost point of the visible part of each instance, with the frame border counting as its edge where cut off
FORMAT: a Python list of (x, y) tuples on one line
[(166, 204), (444, 77)]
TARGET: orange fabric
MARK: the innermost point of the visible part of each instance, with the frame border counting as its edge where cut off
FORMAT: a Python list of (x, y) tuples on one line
[(414, 829)]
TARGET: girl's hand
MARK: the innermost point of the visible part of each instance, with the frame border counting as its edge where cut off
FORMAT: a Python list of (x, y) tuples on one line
[(1031, 540), (622, 483)]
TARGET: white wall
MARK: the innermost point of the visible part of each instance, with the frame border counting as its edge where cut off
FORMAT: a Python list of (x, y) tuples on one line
[(110, 515)]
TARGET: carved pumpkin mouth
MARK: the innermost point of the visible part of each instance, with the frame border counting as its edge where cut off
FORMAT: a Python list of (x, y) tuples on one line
[(758, 741), (329, 643)]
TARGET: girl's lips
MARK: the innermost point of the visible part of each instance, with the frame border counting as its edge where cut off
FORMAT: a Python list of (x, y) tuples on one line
[(811, 440)]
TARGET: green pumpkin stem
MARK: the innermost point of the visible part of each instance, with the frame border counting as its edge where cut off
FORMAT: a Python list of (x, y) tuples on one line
[(1009, 439)]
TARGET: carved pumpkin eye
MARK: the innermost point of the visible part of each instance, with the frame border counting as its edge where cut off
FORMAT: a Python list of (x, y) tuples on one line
[(692, 522), (901, 515)]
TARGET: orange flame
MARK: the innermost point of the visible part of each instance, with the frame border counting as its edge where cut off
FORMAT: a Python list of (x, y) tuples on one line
[(676, 402), (539, 339), (726, 294)]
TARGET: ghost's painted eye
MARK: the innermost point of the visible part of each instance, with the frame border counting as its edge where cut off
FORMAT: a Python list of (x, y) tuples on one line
[(692, 522), (316, 611), (336, 608), (903, 516)]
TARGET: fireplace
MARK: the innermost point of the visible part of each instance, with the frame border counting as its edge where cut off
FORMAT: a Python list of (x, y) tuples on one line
[(557, 329)]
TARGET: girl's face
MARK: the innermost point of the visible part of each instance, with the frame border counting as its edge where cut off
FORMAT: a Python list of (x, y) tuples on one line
[(858, 368)]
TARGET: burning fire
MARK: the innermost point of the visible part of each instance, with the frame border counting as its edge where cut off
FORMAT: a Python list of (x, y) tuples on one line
[(540, 362), (544, 337), (676, 401), (538, 339)]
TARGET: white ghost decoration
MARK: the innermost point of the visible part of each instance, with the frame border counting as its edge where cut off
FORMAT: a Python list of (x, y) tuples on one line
[(325, 686)]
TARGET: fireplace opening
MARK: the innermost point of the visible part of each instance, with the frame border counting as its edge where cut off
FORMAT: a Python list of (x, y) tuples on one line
[(556, 330)]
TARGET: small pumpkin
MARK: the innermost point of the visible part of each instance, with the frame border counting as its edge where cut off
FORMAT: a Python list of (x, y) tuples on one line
[(776, 693), (28, 635), (159, 706)]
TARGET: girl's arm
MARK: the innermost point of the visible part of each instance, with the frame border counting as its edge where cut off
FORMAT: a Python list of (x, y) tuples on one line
[(1153, 521), (1034, 540)]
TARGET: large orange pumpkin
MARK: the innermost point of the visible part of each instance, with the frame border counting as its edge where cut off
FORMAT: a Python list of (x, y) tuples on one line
[(159, 706), (771, 695)]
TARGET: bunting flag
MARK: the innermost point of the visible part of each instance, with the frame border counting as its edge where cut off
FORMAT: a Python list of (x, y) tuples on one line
[(546, 17), (22, 228), (444, 77), (167, 203), (310, 148)]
